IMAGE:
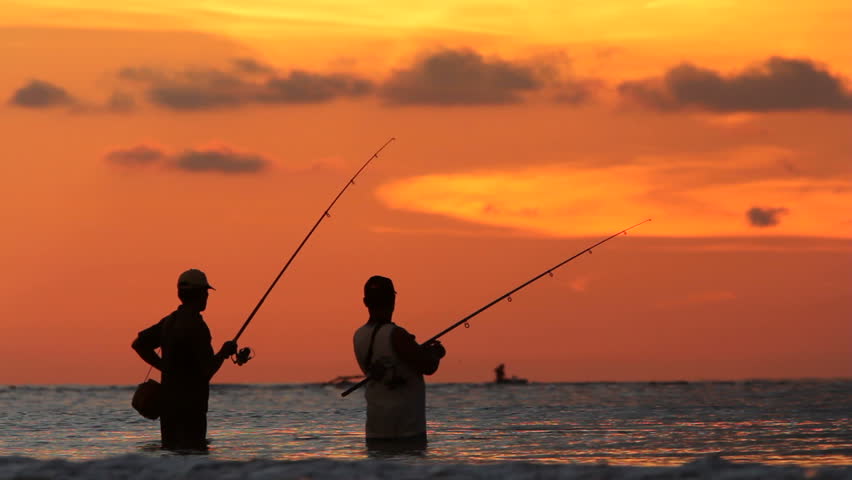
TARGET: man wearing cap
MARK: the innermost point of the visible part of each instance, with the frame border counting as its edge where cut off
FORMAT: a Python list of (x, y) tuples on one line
[(396, 393), (187, 364)]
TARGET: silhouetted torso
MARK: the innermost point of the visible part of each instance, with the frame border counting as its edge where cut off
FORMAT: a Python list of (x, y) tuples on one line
[(188, 359), (396, 407)]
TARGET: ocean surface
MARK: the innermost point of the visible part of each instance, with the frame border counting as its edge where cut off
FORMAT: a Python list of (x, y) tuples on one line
[(754, 429)]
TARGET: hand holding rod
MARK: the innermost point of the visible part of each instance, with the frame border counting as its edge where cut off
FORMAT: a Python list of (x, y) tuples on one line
[(464, 320)]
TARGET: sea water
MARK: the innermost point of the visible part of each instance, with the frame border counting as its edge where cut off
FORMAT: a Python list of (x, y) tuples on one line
[(748, 429)]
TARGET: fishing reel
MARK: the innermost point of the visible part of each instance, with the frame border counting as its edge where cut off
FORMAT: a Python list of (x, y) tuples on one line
[(242, 356)]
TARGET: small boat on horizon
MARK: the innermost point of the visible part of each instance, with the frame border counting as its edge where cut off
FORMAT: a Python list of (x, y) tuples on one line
[(513, 381), (501, 379), (344, 381)]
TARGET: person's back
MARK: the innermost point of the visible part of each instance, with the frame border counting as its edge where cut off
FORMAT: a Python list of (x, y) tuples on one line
[(396, 403), (395, 364), (187, 355)]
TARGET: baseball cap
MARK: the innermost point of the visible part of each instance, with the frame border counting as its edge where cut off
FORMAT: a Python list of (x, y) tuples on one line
[(193, 278)]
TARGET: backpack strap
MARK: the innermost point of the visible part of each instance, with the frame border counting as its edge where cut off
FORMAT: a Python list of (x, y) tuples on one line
[(369, 359)]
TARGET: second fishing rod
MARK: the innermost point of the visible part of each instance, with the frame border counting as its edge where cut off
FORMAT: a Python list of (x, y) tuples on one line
[(464, 321), (245, 354)]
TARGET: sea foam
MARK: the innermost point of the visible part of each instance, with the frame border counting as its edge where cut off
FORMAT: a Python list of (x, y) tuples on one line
[(141, 467)]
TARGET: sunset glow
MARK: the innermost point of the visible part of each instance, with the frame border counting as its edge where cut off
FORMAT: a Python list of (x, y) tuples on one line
[(147, 137)]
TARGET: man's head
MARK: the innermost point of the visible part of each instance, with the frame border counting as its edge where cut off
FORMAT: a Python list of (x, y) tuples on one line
[(379, 297), (193, 289)]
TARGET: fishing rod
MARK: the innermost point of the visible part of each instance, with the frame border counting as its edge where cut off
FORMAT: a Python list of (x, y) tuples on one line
[(245, 354), (507, 295)]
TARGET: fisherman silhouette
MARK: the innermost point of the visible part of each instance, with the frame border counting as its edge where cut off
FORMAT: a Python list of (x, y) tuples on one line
[(500, 373), (187, 364), (395, 363), (500, 377)]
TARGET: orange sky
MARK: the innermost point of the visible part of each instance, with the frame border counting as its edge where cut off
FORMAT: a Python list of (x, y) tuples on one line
[(144, 139)]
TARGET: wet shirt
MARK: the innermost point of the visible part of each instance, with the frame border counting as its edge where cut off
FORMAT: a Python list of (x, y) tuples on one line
[(187, 357), (396, 405)]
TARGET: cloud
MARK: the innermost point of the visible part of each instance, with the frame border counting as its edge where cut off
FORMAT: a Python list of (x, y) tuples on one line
[(765, 217), (191, 89), (686, 195), (250, 65), (306, 87), (445, 77), (41, 94), (200, 160), (192, 97), (222, 160), (460, 77), (777, 84), (135, 156), (248, 82)]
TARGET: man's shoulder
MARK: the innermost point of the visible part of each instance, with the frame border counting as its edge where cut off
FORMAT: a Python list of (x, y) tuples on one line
[(155, 328), (169, 318), (360, 330), (186, 316), (401, 335), (186, 322), (369, 329), (400, 330)]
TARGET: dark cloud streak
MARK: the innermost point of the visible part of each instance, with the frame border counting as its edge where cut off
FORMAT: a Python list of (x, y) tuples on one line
[(41, 94), (192, 97), (460, 77), (778, 84), (306, 87), (135, 156), (201, 160), (463, 77), (250, 83), (250, 65), (765, 217), (221, 160)]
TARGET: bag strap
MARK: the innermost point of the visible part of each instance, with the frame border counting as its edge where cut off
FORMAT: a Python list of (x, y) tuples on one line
[(151, 368), (372, 341)]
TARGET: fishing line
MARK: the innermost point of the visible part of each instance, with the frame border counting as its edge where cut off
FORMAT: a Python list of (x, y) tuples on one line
[(508, 295), (245, 354)]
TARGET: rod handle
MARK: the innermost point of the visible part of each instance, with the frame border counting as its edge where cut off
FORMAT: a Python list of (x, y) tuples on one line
[(355, 387)]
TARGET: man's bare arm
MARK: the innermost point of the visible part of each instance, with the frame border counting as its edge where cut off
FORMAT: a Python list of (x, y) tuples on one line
[(148, 354), (422, 358), (214, 363)]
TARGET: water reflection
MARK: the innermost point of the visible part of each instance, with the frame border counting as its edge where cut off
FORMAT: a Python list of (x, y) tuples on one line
[(805, 423)]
